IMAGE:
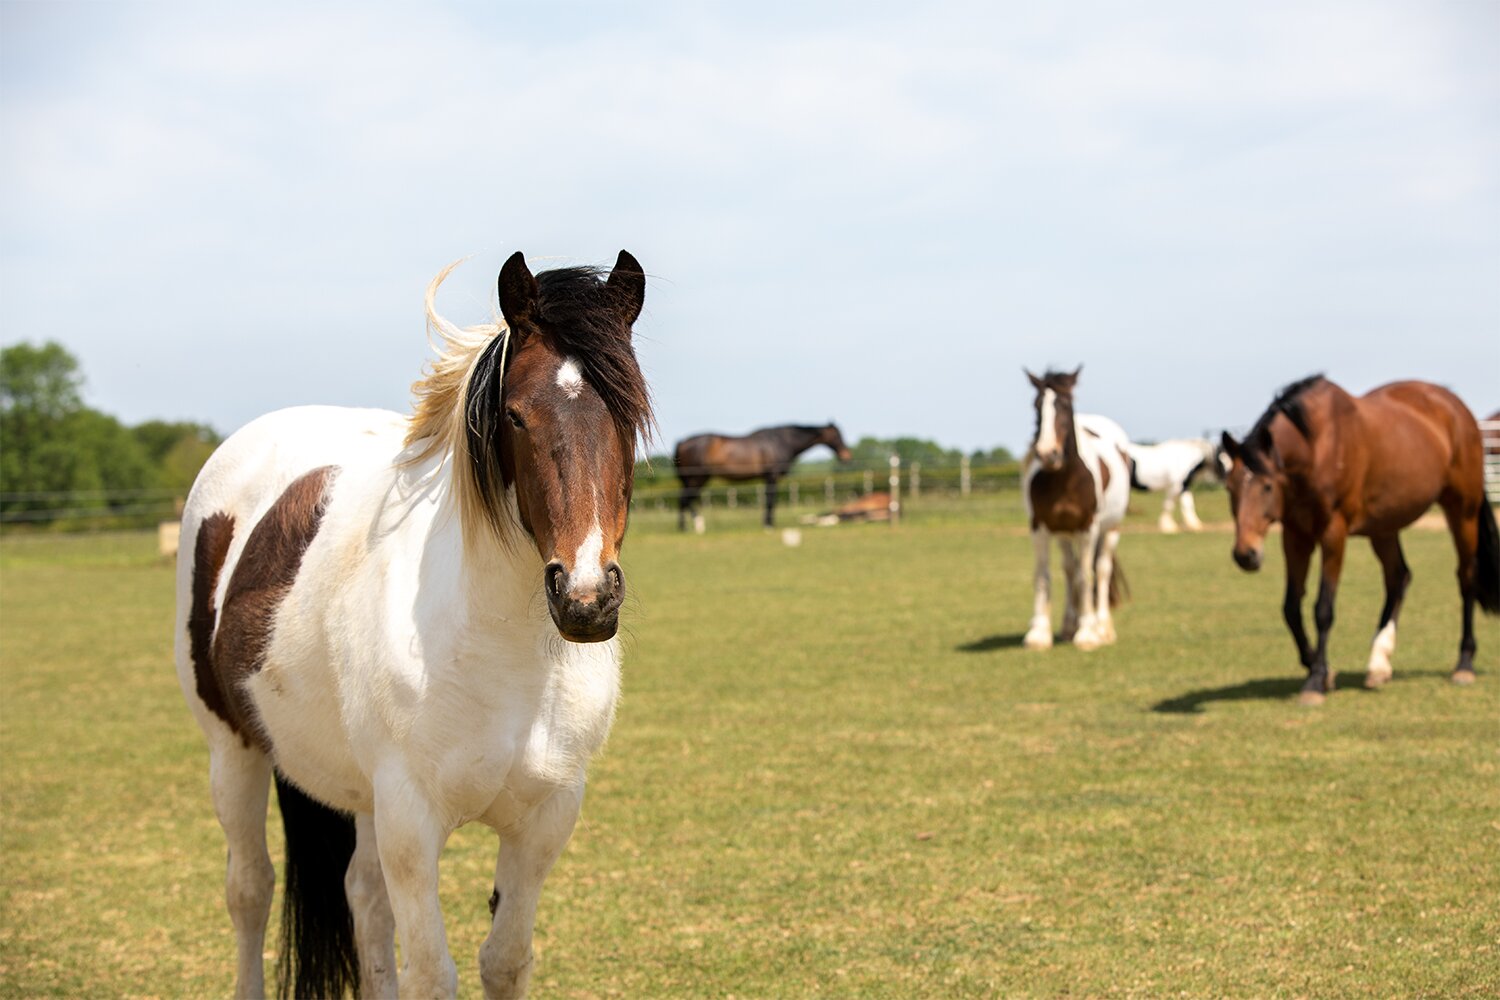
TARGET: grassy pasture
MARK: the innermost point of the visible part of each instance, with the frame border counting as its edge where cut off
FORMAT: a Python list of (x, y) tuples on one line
[(835, 773)]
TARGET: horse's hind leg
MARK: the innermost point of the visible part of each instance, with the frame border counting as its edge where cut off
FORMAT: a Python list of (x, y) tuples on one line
[(374, 924), (240, 778), (1104, 571), (527, 854), (1397, 578), (1465, 531)]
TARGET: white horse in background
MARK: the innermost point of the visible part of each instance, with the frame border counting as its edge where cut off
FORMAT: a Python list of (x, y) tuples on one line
[(1076, 485), (1171, 468), (409, 624)]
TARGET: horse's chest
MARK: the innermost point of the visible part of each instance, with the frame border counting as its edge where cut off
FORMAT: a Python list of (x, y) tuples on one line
[(1063, 503), (529, 738)]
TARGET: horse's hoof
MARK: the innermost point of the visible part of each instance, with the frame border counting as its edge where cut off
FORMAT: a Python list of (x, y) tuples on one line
[(1167, 526), (1463, 678), (1376, 679), (1087, 641), (1311, 698), (1037, 641)]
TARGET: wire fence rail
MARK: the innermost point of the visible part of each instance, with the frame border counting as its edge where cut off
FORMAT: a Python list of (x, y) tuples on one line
[(656, 489)]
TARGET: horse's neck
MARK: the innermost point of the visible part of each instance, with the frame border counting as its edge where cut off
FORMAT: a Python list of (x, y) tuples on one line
[(796, 440)]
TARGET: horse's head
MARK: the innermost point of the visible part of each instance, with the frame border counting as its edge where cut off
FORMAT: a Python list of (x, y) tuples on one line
[(833, 439), (570, 405), (1054, 416), (1257, 492)]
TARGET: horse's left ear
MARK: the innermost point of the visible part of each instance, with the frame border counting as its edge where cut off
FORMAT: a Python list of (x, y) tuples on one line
[(1230, 445), (518, 295), (627, 283)]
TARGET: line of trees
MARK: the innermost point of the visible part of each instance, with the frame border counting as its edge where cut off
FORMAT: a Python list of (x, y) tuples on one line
[(58, 454)]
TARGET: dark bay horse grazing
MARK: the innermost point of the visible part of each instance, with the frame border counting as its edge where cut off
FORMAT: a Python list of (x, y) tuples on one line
[(409, 624), (1328, 465), (1076, 485), (766, 454)]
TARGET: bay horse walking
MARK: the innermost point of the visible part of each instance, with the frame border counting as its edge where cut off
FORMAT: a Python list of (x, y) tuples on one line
[(1077, 486), (1328, 465), (766, 454), (408, 622), (1171, 468)]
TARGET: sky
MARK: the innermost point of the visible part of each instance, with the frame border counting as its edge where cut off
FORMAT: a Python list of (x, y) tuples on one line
[(875, 213)]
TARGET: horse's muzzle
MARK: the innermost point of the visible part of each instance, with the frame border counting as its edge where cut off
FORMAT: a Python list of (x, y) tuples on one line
[(1051, 461), (1247, 559), (585, 610)]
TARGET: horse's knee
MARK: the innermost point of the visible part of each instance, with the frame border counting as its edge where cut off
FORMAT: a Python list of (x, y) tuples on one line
[(248, 886), (504, 969)]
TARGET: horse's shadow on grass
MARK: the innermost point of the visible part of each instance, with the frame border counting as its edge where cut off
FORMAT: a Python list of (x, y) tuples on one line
[(1270, 688), (1012, 641)]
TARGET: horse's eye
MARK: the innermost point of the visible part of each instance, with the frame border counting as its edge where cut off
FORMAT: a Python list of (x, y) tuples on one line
[(1265, 487), (515, 420)]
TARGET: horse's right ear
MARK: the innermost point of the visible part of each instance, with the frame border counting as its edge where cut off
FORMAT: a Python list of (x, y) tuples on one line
[(1036, 382), (627, 282), (518, 295), (1230, 445)]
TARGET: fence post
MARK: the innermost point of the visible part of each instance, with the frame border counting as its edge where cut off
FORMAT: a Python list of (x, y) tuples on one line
[(869, 481), (963, 476), (791, 493), (916, 479), (895, 489), (828, 490), (734, 498)]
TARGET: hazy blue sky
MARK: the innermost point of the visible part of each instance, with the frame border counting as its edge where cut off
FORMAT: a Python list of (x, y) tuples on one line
[(872, 212)]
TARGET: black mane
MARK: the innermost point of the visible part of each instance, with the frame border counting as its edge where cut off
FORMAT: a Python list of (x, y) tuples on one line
[(584, 318), (1288, 403)]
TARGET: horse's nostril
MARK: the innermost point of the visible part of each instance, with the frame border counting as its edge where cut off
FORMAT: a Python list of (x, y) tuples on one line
[(615, 577), (556, 576)]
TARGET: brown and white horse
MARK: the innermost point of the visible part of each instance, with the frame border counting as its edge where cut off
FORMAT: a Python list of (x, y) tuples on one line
[(1328, 465), (766, 454), (1077, 486), (408, 623)]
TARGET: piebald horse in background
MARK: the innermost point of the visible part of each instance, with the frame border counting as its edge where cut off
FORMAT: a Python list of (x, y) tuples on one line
[(1328, 465), (1171, 468), (1077, 485), (409, 623), (766, 454)]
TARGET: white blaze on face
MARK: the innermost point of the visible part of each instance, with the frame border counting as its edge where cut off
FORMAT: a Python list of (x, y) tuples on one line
[(570, 378), (1046, 433), (587, 570)]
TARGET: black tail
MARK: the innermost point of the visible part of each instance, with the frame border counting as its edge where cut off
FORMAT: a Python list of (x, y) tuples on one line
[(318, 956), (1488, 572)]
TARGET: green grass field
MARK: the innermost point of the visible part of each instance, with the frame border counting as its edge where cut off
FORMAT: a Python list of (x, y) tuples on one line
[(835, 773)]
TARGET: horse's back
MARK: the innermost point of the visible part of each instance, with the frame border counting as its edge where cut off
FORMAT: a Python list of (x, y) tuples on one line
[(258, 461), (1412, 417)]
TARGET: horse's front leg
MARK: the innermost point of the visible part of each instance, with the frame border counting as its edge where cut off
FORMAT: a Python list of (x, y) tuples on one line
[(1165, 523), (1039, 632), (1190, 519), (1320, 677), (1297, 549), (409, 835), (770, 501), (527, 853)]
